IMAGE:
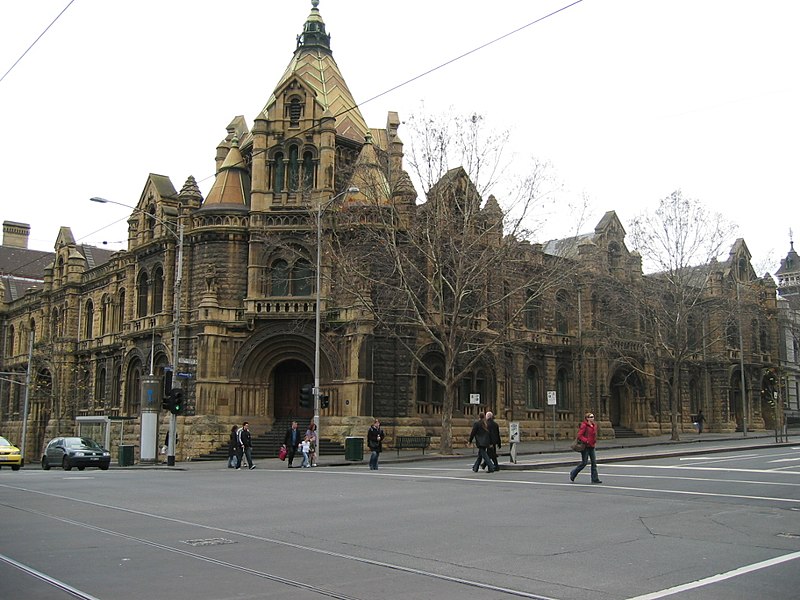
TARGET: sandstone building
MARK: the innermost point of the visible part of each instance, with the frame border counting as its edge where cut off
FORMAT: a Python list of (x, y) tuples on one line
[(90, 324)]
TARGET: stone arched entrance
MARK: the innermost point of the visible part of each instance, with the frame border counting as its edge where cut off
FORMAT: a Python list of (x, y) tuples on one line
[(625, 398)]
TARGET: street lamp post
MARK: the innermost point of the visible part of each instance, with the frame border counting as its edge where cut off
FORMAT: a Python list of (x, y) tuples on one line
[(176, 318), (321, 209)]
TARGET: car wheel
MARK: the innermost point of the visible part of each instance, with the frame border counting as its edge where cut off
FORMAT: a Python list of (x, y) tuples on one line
[(45, 464), (104, 467), (15, 467), (81, 468), (65, 464)]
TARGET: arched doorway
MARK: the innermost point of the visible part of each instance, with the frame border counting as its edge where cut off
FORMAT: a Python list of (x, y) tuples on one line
[(289, 376), (626, 393)]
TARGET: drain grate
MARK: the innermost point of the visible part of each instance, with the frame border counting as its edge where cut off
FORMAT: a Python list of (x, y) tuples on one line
[(208, 542)]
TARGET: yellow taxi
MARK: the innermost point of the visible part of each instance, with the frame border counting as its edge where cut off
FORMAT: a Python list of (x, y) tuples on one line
[(9, 455)]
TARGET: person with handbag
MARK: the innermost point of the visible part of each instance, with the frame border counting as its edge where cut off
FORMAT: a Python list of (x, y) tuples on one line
[(587, 435), (375, 437)]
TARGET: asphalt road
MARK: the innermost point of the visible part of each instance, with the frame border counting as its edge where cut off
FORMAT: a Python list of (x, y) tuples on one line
[(718, 525)]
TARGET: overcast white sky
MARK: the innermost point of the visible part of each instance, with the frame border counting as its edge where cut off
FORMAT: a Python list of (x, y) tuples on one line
[(628, 99)]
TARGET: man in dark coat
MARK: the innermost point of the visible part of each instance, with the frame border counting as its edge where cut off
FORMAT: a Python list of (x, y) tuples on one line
[(494, 431), (291, 440), (480, 433), (246, 445)]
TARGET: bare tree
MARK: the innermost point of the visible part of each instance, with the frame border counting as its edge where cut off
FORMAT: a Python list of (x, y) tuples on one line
[(679, 243), (455, 274)]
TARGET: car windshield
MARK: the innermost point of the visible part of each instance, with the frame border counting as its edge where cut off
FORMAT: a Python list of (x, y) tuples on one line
[(80, 443), (5, 442)]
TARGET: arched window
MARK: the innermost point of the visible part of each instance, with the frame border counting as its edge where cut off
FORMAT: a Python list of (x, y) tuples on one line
[(142, 290), (105, 312), (430, 392), (116, 386), (279, 280), (54, 323), (88, 328), (742, 269), (763, 338), (120, 316), (562, 311), (692, 342), (532, 389), (614, 255), (133, 385), (533, 309), (100, 387), (731, 334), (594, 307), (302, 278), (158, 290), (294, 168), (308, 171), (10, 342), (278, 173), (562, 390)]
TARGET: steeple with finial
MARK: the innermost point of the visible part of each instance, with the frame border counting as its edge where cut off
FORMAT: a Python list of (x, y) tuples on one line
[(314, 31)]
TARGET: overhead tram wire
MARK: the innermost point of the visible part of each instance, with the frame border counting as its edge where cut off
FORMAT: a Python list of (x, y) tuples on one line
[(36, 40), (428, 72)]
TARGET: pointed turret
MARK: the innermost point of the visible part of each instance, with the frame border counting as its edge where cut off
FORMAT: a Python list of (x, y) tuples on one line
[(313, 67), (231, 189), (369, 177), (789, 275)]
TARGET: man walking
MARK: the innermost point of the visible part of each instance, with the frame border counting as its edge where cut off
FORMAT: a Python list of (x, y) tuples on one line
[(246, 444), (480, 433), (291, 440), (494, 431)]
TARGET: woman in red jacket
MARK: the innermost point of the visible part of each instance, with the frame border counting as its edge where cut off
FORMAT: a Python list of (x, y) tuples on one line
[(587, 433)]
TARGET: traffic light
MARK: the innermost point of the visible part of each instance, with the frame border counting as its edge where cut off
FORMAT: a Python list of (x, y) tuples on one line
[(307, 396), (324, 401), (176, 401)]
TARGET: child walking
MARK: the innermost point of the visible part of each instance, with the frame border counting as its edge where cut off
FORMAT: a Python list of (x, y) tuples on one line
[(305, 448)]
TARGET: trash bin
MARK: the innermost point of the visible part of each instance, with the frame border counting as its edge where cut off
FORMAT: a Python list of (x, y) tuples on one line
[(354, 448), (125, 457)]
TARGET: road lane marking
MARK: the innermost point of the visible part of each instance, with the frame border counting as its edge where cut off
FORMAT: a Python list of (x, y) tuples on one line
[(692, 468), (75, 592), (692, 585), (363, 560)]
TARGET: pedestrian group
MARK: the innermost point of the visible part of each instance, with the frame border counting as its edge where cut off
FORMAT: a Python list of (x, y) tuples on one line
[(485, 434)]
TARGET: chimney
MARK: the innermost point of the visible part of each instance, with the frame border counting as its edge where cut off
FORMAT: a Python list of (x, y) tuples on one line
[(15, 235)]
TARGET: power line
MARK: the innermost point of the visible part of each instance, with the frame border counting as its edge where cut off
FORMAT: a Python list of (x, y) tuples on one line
[(36, 40)]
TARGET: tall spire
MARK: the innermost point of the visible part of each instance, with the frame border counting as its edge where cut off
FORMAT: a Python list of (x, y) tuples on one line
[(314, 31)]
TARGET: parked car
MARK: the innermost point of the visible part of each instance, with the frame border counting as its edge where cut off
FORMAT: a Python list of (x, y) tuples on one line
[(80, 452), (9, 455)]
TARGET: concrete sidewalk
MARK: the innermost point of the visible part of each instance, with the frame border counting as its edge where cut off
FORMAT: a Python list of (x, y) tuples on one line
[(541, 454)]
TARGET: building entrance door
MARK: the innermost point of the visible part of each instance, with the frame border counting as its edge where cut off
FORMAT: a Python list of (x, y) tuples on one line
[(290, 376)]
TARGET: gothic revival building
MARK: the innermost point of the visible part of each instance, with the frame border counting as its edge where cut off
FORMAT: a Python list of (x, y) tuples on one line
[(89, 325)]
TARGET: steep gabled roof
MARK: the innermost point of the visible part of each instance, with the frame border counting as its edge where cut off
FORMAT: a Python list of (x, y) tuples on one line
[(314, 66)]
